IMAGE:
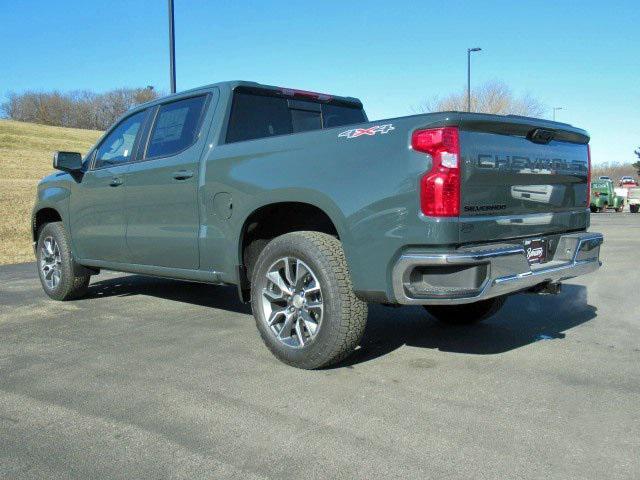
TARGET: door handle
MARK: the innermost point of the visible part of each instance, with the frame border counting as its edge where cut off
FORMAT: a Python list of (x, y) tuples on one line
[(183, 174), (115, 182)]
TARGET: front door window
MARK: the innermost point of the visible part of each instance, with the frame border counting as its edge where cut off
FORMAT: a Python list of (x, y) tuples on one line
[(117, 147)]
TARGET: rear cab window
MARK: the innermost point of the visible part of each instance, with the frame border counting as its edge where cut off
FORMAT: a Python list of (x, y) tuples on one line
[(263, 113)]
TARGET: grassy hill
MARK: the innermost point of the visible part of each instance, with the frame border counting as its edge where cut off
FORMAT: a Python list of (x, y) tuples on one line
[(26, 151)]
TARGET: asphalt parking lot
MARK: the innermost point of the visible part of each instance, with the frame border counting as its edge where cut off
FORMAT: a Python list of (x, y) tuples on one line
[(151, 378)]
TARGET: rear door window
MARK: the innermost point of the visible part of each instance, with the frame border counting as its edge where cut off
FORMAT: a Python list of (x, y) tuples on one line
[(176, 127)]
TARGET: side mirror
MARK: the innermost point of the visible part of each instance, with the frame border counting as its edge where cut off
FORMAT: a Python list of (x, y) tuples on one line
[(67, 161)]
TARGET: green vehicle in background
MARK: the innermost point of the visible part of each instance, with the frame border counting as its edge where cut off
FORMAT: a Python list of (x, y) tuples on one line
[(603, 196)]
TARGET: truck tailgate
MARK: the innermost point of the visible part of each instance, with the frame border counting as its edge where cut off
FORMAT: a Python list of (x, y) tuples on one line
[(521, 177)]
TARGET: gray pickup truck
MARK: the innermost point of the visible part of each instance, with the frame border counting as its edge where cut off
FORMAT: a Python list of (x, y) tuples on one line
[(313, 211)]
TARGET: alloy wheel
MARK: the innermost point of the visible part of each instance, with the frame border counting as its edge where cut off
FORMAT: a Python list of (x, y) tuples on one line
[(50, 263), (292, 302)]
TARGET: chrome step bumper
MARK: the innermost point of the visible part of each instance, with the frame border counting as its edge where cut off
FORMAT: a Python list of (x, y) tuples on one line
[(489, 271)]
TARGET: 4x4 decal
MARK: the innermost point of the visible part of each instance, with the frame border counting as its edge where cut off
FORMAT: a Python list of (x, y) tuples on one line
[(358, 132)]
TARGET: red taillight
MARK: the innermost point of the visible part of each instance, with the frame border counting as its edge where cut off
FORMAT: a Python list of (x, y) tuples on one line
[(588, 175), (440, 187)]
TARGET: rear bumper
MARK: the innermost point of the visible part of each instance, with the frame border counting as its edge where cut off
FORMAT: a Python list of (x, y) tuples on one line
[(468, 275)]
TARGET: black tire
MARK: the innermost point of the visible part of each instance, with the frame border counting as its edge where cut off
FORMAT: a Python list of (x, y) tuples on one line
[(466, 314), (343, 317), (619, 209), (634, 208), (593, 209), (73, 279)]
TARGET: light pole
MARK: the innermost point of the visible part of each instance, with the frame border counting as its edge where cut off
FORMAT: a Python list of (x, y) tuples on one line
[(555, 109), (172, 50), (469, 50)]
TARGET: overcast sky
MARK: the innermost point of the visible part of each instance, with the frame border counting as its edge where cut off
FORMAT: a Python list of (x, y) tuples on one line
[(582, 56)]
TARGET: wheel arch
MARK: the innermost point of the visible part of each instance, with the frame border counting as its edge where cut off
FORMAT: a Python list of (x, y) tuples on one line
[(275, 218), (41, 217)]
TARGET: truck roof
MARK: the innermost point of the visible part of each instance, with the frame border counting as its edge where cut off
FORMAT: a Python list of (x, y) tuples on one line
[(233, 84)]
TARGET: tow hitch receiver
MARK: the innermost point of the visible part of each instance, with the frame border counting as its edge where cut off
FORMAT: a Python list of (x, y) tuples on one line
[(547, 288)]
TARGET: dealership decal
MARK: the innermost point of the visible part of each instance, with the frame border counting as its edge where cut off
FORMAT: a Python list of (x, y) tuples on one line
[(371, 131), (534, 252)]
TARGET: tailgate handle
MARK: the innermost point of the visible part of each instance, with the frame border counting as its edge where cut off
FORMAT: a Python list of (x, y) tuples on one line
[(541, 135)]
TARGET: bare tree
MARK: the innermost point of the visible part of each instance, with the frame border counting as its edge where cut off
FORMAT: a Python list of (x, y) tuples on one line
[(492, 97), (78, 109)]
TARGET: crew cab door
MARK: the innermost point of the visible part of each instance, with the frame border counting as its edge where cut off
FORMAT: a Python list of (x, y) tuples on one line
[(96, 205), (162, 209)]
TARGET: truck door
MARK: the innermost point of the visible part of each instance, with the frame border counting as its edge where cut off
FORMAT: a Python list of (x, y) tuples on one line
[(96, 206), (162, 211)]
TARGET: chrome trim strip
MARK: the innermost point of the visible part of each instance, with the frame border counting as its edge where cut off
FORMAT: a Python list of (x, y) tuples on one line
[(528, 216)]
